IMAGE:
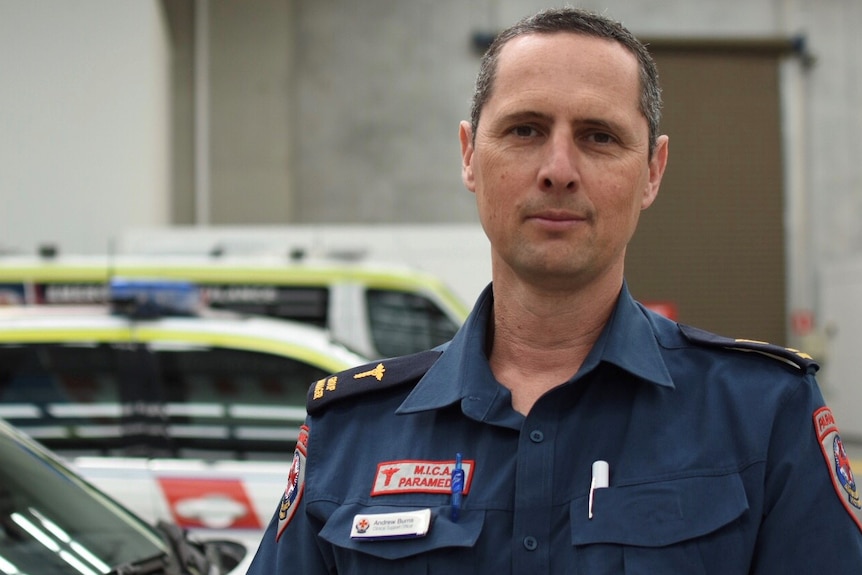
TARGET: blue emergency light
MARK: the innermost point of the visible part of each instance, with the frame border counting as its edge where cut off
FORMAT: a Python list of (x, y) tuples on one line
[(143, 298)]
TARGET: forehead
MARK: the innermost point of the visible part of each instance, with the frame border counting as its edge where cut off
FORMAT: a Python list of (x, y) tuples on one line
[(564, 66)]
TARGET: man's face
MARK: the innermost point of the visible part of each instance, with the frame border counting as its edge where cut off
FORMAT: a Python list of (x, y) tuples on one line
[(559, 164)]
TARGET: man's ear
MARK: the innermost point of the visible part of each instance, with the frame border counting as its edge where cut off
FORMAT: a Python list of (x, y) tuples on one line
[(465, 133), (657, 164)]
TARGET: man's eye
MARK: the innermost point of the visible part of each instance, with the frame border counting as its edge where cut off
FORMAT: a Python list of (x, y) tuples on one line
[(602, 138), (524, 131)]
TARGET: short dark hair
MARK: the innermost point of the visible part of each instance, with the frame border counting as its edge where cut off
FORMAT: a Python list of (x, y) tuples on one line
[(576, 21)]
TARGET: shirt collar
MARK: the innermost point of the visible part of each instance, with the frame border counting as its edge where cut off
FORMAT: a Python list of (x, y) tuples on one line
[(630, 342), (462, 372)]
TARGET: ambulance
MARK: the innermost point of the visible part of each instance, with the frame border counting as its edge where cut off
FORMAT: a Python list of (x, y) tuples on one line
[(180, 413), (378, 310)]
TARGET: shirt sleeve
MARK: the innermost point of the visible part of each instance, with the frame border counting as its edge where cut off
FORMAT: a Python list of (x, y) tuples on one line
[(810, 524)]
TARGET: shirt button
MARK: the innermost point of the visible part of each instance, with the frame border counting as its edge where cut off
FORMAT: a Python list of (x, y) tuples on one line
[(537, 436), (530, 543)]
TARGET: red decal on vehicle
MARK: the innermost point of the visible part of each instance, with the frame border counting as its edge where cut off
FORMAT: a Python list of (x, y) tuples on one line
[(209, 503)]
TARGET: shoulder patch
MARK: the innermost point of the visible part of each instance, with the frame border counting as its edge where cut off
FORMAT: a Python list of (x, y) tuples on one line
[(295, 483), (793, 357), (372, 376), (838, 463)]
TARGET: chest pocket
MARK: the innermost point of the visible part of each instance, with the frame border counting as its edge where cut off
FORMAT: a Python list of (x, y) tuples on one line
[(445, 549), (685, 525)]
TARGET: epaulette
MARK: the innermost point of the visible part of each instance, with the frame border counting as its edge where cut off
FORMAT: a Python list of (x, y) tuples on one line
[(372, 376), (794, 357)]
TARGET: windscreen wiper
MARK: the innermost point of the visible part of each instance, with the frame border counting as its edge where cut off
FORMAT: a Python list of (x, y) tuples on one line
[(148, 566), (189, 557), (182, 558)]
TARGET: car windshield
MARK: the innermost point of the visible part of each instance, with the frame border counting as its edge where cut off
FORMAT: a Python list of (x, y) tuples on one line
[(53, 523)]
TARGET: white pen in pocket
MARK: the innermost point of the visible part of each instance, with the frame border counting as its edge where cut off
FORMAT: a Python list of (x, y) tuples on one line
[(601, 472)]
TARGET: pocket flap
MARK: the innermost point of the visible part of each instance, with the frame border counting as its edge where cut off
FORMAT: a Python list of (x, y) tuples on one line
[(659, 513), (441, 534)]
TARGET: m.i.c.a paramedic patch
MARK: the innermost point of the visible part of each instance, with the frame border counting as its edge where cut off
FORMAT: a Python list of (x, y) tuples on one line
[(838, 463), (295, 483)]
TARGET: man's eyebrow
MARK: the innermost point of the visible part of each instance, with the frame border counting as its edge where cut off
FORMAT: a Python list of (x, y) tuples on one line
[(526, 116), (523, 116), (599, 123)]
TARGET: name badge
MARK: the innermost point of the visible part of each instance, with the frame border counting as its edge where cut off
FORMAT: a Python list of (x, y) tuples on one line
[(399, 525)]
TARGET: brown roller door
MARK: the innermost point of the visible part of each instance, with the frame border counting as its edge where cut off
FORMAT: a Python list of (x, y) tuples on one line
[(713, 243)]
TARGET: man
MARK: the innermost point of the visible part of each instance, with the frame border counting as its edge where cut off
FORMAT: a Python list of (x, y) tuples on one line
[(565, 428)]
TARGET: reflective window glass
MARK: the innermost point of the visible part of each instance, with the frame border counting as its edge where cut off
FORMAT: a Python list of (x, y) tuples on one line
[(233, 403), (53, 524), (163, 400), (305, 304), (66, 396), (403, 323)]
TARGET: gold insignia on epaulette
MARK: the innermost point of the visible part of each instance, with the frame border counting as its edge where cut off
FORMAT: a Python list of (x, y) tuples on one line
[(751, 341), (377, 372), (801, 354), (324, 385)]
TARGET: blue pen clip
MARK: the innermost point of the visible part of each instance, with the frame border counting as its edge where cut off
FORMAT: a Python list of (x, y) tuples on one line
[(457, 487)]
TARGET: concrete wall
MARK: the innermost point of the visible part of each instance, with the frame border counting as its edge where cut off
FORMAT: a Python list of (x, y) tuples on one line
[(251, 111), (381, 85), (381, 88), (330, 111), (84, 121)]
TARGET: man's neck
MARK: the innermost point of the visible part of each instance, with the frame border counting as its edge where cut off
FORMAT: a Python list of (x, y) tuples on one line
[(538, 340)]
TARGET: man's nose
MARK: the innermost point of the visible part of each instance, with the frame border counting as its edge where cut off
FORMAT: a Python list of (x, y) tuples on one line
[(559, 170)]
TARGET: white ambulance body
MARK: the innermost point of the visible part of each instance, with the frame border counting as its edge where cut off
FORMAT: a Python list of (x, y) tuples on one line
[(378, 310), (191, 419)]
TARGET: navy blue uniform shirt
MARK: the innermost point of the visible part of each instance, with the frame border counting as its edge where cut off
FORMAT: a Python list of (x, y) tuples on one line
[(722, 460)]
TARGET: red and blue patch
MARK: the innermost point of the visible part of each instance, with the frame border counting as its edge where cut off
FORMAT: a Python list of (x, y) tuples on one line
[(295, 483), (838, 463)]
